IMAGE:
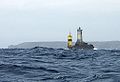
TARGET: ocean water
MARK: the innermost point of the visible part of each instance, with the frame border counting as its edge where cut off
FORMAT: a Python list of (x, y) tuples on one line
[(59, 65)]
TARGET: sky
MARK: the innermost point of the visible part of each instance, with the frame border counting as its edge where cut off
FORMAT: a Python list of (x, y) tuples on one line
[(52, 20)]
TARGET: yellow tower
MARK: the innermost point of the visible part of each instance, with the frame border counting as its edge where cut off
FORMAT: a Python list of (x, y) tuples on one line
[(69, 40)]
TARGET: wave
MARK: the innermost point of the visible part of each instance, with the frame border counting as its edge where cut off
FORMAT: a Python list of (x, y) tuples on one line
[(42, 64)]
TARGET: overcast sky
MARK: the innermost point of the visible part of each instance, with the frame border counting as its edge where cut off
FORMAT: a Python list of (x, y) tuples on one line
[(51, 20)]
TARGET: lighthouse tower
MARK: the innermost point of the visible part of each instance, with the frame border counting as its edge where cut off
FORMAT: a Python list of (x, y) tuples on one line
[(69, 44), (79, 35)]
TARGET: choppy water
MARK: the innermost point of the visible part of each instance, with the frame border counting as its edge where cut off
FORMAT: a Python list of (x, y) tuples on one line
[(59, 65)]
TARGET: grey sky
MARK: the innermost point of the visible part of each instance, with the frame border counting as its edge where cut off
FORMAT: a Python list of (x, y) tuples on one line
[(51, 20)]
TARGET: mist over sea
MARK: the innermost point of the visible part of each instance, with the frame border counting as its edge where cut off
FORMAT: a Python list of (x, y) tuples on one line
[(42, 64)]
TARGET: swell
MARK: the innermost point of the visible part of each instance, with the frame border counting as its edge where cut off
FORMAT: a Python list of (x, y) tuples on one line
[(59, 65), (15, 68)]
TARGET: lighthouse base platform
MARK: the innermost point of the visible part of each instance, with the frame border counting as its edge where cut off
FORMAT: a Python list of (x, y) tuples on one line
[(82, 46)]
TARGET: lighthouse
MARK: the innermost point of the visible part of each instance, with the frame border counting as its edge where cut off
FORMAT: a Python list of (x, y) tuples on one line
[(79, 35), (80, 44)]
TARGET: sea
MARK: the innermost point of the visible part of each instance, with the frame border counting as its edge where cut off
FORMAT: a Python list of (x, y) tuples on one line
[(41, 64)]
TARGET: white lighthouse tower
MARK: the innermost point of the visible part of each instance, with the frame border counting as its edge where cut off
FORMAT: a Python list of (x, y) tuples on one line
[(79, 35)]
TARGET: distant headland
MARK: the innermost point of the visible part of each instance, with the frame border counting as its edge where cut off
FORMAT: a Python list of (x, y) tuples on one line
[(60, 44)]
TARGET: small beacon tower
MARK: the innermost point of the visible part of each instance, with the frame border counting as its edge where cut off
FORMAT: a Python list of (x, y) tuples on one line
[(69, 44)]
